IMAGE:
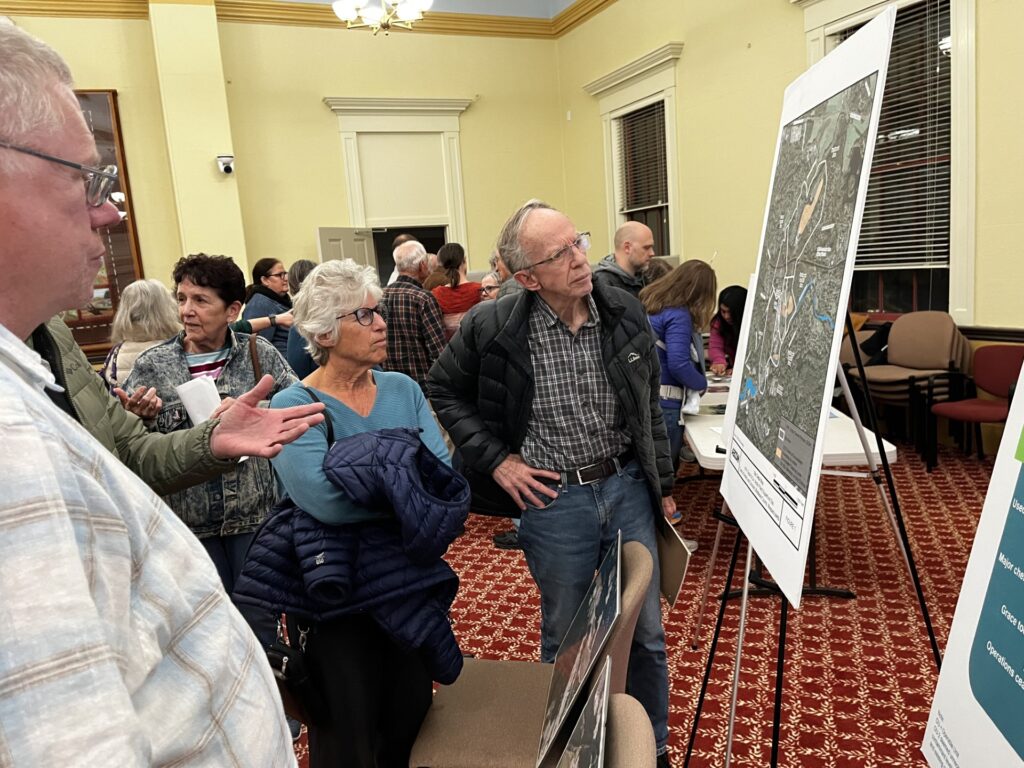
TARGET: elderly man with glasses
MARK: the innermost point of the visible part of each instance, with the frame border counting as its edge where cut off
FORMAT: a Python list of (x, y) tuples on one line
[(120, 646), (551, 395)]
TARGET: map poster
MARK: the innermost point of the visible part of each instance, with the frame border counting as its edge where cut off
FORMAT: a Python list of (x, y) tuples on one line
[(977, 716), (796, 312)]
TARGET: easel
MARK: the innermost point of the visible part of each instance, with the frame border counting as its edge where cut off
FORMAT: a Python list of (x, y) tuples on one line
[(896, 520)]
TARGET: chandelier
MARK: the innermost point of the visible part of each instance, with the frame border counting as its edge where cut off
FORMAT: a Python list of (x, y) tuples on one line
[(380, 15)]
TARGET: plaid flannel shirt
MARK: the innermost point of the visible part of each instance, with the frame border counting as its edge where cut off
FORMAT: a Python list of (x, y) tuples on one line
[(415, 329), (576, 418), (118, 644)]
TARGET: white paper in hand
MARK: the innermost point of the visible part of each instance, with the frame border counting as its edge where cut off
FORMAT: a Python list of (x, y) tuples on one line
[(200, 398)]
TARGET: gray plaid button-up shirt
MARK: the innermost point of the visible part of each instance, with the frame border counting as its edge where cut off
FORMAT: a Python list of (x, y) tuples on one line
[(575, 420)]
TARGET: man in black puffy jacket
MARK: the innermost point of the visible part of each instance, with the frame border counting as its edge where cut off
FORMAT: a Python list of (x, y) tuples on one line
[(551, 396)]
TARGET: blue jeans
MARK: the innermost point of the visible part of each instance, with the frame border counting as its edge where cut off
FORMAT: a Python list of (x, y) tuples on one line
[(566, 540), (675, 431)]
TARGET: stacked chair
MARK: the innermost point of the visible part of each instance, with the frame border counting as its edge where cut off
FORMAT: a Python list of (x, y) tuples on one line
[(995, 371), (493, 715), (926, 352)]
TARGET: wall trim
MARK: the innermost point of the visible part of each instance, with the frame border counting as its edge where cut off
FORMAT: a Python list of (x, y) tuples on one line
[(645, 66), (109, 9), (352, 106), (1004, 335)]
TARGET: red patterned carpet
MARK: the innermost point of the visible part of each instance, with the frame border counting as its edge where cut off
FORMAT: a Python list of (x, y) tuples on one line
[(859, 673)]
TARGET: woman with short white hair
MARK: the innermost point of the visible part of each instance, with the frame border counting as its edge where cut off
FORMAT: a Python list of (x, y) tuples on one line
[(146, 315), (377, 692)]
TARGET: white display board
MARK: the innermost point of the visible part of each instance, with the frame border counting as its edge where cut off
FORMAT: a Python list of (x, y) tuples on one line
[(795, 315), (977, 717)]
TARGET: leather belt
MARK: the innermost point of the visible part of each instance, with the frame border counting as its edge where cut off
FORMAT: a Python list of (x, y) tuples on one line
[(595, 473)]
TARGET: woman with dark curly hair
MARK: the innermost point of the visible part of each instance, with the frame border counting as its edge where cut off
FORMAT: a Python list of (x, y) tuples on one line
[(268, 297), (459, 294), (225, 512)]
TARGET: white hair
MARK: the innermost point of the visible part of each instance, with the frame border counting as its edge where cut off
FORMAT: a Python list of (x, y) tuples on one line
[(409, 255), (146, 311), (510, 246), (33, 79), (335, 288)]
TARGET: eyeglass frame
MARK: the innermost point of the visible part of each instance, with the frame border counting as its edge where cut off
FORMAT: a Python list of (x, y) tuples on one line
[(378, 310), (108, 173), (282, 274), (576, 244), (489, 288)]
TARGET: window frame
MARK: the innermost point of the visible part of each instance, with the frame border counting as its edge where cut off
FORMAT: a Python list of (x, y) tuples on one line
[(635, 85), (824, 20)]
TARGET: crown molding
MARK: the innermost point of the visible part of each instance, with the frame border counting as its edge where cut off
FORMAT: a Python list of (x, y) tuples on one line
[(433, 22), (110, 9), (319, 15), (658, 59), (350, 106)]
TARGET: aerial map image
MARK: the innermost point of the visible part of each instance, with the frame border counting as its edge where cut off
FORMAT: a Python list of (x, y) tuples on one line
[(800, 277)]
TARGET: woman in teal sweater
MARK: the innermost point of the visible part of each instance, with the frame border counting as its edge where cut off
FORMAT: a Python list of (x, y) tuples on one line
[(377, 693)]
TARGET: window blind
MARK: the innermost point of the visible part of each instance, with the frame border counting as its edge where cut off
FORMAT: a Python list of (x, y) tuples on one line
[(643, 175), (906, 216)]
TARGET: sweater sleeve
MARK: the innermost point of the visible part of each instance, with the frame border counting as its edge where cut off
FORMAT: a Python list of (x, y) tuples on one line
[(716, 344), (678, 333), (260, 306)]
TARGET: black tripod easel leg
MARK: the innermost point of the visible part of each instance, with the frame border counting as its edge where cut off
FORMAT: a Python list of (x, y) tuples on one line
[(869, 406), (714, 644), (779, 669)]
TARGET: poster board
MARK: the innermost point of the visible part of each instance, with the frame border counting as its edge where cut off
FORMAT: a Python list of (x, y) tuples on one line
[(586, 745), (805, 266), (977, 715)]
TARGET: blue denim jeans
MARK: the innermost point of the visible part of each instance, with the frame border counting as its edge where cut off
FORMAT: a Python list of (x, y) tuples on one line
[(565, 541), (675, 431)]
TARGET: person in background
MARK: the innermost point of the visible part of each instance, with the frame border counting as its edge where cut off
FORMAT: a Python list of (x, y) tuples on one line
[(377, 692), (725, 329), (489, 285), (680, 306), (435, 273), (146, 315), (634, 249), (415, 329), (405, 237), (507, 284), (296, 355), (268, 297), (656, 270), (458, 295), (551, 396), (224, 512), (105, 591)]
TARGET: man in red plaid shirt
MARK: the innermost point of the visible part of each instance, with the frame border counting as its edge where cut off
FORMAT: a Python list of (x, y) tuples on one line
[(415, 332)]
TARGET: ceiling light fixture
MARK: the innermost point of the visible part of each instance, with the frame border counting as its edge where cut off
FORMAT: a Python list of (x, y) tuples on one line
[(380, 15)]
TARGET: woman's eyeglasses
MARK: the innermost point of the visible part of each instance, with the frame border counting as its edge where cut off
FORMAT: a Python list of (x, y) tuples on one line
[(364, 315), (488, 289), (283, 274)]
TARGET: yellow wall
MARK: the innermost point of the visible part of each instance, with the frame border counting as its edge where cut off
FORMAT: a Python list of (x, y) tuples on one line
[(999, 232), (517, 142), (290, 166), (118, 53), (737, 58)]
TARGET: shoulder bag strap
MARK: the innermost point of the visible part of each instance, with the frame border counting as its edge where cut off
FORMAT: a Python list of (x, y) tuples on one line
[(327, 416), (257, 369)]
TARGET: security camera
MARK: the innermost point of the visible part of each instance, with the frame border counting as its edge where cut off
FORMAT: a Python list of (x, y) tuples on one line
[(226, 163)]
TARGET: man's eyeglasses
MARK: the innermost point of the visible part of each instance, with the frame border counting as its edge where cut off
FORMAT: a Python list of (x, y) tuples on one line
[(282, 274), (581, 243), (364, 315), (98, 181)]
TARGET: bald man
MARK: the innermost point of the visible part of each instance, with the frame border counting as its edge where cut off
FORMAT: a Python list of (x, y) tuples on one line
[(634, 249)]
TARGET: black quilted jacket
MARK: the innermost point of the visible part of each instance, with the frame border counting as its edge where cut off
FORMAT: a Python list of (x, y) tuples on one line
[(481, 388)]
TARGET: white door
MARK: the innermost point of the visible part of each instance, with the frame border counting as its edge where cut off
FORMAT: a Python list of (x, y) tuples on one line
[(354, 243)]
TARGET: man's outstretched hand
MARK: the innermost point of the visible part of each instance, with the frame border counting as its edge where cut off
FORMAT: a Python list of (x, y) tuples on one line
[(245, 429)]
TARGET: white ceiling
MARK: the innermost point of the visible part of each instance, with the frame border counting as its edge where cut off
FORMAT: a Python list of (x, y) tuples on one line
[(537, 9)]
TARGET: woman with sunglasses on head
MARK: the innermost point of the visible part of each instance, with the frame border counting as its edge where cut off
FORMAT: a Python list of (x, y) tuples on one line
[(377, 691), (267, 296)]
